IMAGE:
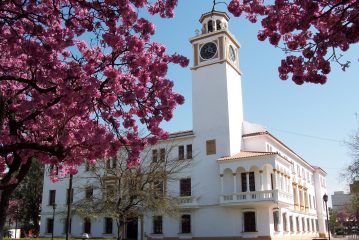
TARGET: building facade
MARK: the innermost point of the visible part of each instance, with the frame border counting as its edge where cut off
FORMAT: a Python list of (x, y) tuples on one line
[(243, 183)]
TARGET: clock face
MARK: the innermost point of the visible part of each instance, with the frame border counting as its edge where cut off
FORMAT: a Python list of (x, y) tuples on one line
[(208, 50), (232, 54)]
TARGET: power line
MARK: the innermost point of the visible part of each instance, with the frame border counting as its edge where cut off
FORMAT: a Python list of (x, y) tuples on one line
[(307, 135)]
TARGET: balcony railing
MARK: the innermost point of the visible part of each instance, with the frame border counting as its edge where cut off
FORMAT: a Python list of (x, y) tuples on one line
[(188, 201), (257, 196)]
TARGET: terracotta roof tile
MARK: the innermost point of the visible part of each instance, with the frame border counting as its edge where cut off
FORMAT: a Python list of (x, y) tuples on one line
[(246, 154)]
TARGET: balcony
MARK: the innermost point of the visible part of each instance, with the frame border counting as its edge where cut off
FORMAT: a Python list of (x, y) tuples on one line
[(257, 198), (188, 202)]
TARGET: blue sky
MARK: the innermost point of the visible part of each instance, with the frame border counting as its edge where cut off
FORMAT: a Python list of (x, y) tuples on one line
[(325, 112)]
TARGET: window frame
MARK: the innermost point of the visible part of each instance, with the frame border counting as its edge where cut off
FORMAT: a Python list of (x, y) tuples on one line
[(186, 224), (157, 224), (253, 227)]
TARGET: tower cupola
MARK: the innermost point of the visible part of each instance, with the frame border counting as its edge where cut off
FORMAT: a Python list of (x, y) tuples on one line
[(214, 21)]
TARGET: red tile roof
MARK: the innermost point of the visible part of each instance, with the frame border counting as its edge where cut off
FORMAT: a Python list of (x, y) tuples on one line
[(246, 154)]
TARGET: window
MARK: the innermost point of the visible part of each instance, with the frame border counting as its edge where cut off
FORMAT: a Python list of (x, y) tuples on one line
[(89, 193), (189, 151), (303, 224), (87, 166), (244, 182), (108, 163), (180, 152), (252, 185), (69, 196), (276, 220), (291, 225), (185, 187), (284, 215), (87, 225), (314, 205), (52, 197), (162, 154), (218, 24), (108, 225), (211, 147), (210, 26), (154, 155), (65, 225), (114, 163), (297, 222), (271, 181), (50, 225), (157, 224), (308, 225), (249, 221), (186, 223), (159, 188)]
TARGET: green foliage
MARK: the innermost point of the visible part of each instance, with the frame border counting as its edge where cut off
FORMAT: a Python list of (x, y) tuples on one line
[(29, 193)]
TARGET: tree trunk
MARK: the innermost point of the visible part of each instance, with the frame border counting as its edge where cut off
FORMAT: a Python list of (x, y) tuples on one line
[(6, 193), (4, 203)]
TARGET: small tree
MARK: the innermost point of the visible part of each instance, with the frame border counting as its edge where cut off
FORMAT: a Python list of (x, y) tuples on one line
[(29, 193), (126, 193)]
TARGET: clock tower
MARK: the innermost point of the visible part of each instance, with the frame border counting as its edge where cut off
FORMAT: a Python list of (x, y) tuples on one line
[(216, 87)]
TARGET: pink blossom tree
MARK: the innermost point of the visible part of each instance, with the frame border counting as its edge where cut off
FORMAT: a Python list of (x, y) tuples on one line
[(313, 33), (78, 81)]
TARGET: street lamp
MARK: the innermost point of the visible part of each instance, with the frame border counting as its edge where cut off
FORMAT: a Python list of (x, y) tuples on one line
[(53, 220), (325, 199)]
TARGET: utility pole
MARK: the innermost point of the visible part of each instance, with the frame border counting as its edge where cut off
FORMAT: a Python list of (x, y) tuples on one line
[(69, 202)]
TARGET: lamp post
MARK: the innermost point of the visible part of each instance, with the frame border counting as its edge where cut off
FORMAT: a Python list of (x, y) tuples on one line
[(325, 199), (53, 220)]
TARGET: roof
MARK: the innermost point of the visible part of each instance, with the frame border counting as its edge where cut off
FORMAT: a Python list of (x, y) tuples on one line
[(216, 13), (181, 134), (246, 154), (280, 142)]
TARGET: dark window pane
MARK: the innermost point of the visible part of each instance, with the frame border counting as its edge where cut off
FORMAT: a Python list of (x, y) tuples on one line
[(244, 182), (89, 193), (180, 152), (189, 151), (50, 225), (249, 221), (162, 154), (157, 224), (108, 225), (252, 185), (185, 187), (154, 155), (108, 164), (186, 223), (210, 26), (87, 225), (52, 197)]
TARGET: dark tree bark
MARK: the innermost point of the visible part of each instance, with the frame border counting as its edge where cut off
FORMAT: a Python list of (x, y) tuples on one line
[(6, 193)]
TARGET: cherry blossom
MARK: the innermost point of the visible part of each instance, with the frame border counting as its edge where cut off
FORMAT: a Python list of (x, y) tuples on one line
[(313, 33), (78, 81)]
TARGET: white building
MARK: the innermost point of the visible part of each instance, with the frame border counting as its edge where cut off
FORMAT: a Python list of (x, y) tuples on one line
[(245, 183)]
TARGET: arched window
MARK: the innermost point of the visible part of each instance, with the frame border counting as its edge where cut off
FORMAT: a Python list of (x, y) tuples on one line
[(218, 24), (210, 26)]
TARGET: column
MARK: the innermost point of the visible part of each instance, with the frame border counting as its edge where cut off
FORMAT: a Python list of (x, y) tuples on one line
[(234, 182), (261, 179), (222, 190)]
